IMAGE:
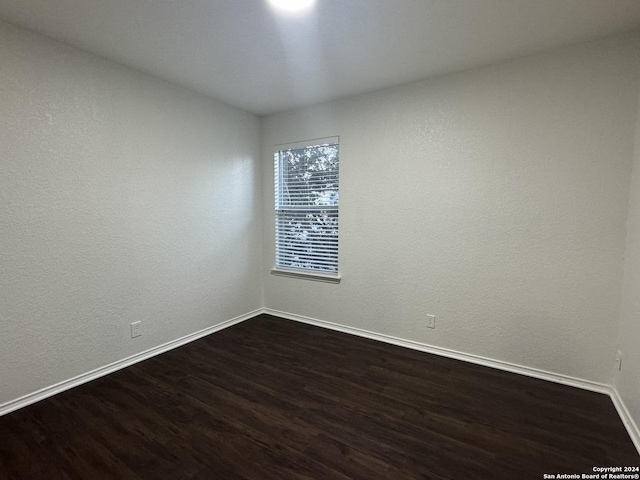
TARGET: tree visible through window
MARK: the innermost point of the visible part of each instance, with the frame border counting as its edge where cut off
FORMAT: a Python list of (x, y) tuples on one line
[(306, 204)]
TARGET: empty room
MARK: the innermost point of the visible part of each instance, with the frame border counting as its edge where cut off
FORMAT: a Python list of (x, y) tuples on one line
[(319, 239)]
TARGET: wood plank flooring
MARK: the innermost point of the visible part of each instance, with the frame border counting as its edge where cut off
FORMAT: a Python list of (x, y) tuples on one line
[(274, 399)]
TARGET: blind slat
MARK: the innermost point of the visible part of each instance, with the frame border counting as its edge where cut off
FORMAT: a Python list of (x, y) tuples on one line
[(308, 250), (284, 259)]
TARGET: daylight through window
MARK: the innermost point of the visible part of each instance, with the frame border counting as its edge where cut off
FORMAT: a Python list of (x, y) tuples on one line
[(306, 204)]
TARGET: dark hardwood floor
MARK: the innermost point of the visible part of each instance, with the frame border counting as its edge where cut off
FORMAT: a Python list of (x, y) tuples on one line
[(275, 399)]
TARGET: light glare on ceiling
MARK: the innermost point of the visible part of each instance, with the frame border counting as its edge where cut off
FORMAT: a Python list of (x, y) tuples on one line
[(292, 6)]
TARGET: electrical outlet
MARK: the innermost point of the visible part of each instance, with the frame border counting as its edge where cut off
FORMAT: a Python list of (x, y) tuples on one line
[(136, 329), (619, 360), (431, 321)]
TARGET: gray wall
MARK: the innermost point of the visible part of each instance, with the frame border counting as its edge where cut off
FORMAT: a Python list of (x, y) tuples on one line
[(122, 198), (495, 199), (628, 379)]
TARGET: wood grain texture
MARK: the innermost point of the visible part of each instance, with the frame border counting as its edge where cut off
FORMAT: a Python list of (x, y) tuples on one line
[(275, 399)]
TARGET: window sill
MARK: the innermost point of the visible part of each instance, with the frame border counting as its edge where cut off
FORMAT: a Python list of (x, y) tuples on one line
[(318, 277)]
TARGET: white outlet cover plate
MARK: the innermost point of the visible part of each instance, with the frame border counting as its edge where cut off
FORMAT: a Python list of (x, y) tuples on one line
[(136, 329), (431, 321)]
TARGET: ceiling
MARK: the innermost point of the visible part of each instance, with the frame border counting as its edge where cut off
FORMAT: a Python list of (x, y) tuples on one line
[(243, 53)]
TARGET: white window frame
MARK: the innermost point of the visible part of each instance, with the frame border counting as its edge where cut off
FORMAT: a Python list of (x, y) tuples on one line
[(306, 273)]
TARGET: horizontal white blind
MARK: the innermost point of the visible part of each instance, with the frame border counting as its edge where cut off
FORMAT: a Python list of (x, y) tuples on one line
[(306, 206)]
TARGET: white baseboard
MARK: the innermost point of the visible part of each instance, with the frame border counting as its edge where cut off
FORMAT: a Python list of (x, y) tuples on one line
[(624, 414), (112, 367), (627, 419)]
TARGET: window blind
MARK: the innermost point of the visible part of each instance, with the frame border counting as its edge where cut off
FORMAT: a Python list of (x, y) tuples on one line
[(306, 207)]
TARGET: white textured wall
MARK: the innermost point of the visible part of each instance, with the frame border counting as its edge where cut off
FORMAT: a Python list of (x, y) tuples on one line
[(495, 199), (122, 198), (628, 379)]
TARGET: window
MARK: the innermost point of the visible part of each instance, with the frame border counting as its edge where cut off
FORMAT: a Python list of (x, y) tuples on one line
[(306, 207)]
